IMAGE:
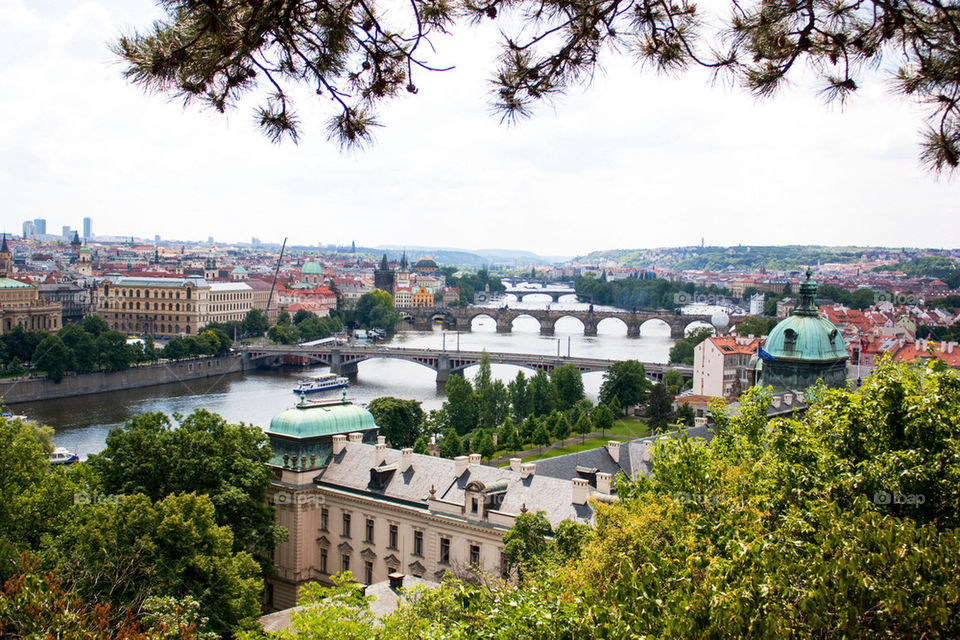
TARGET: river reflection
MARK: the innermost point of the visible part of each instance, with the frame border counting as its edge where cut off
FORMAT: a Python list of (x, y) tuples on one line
[(83, 423)]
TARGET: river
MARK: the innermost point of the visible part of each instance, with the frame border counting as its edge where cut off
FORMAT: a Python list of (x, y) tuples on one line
[(82, 423)]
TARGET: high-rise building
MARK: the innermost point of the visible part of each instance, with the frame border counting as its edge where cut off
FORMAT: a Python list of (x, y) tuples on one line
[(29, 230), (40, 226), (87, 228), (67, 233)]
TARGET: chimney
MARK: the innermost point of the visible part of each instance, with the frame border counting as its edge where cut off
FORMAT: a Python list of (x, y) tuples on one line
[(460, 465), (943, 347), (950, 346), (613, 448), (800, 396), (515, 465), (581, 488), (528, 469), (339, 443), (775, 402), (381, 440), (475, 458), (381, 453), (355, 437), (396, 580), (603, 483), (406, 459), (788, 398)]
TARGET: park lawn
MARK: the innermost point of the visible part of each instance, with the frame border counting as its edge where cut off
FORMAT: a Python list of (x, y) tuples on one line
[(629, 428), (574, 445)]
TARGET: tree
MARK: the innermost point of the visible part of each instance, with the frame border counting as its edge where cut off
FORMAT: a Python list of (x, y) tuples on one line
[(602, 417), (559, 426), (567, 382), (507, 435), (204, 454), (659, 407), (95, 325), (53, 357), (376, 310), (284, 334), (356, 57), (527, 543), (543, 396), (519, 397), (625, 381), (755, 326), (400, 421), (451, 445), (685, 415), (256, 322), (461, 405), (422, 445), (483, 444), (541, 435), (682, 351), (584, 426), (113, 352), (673, 381)]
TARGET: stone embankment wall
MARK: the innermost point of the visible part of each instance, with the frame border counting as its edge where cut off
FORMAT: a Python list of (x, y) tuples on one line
[(33, 389)]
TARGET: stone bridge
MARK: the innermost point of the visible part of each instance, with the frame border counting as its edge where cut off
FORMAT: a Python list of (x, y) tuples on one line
[(343, 359), (461, 318), (555, 293)]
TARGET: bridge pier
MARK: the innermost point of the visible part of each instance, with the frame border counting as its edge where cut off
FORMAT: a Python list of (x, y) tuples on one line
[(590, 328), (504, 326), (633, 329), (341, 368), (677, 330), (547, 327)]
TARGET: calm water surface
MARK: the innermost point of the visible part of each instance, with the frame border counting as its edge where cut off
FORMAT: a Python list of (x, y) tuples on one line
[(82, 423)]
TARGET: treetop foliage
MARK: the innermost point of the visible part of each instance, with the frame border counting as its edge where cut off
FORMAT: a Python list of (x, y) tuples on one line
[(357, 53)]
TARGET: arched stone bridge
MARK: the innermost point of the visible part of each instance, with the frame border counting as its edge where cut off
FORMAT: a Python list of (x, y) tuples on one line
[(343, 359), (461, 318), (555, 293)]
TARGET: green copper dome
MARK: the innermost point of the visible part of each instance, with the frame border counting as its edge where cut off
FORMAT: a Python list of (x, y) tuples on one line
[(310, 421), (804, 335), (311, 268)]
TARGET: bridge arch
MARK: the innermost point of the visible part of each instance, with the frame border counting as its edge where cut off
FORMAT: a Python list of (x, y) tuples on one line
[(526, 323), (611, 325), (570, 324), (655, 327), (485, 318), (698, 324)]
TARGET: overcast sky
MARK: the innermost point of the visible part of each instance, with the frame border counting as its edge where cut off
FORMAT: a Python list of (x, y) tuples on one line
[(632, 161)]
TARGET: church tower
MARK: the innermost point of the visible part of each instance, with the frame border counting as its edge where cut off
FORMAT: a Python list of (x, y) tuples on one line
[(6, 259), (383, 276)]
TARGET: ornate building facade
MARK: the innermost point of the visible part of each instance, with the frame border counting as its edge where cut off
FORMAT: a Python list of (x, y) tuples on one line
[(20, 303)]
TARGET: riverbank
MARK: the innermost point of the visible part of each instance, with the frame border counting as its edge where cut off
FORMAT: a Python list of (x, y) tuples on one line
[(31, 389)]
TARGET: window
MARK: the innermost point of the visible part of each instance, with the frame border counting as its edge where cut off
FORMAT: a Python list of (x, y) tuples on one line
[(369, 531), (444, 550), (324, 518), (504, 566), (323, 561), (346, 525), (474, 505), (394, 534), (418, 543), (345, 563), (368, 572), (475, 555)]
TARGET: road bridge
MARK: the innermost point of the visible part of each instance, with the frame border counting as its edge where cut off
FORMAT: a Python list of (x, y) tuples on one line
[(461, 318), (343, 359), (555, 293)]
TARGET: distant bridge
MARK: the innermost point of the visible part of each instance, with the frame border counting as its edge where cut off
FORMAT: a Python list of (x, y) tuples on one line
[(343, 359), (554, 292), (461, 318)]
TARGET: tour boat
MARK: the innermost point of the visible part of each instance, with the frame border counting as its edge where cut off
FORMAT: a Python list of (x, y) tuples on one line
[(321, 383), (62, 456)]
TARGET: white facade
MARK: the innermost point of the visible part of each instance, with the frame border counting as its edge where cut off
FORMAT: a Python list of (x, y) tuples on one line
[(721, 366)]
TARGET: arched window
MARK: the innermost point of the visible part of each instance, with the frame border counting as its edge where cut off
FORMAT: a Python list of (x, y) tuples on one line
[(178, 306)]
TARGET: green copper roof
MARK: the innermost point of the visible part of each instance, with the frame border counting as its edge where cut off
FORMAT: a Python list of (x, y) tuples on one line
[(238, 269), (9, 283), (309, 421), (804, 335), (311, 268)]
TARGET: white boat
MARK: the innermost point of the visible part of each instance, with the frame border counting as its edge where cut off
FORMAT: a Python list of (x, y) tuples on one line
[(323, 382), (63, 456)]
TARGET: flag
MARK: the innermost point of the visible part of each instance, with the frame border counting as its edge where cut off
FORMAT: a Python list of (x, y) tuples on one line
[(763, 355)]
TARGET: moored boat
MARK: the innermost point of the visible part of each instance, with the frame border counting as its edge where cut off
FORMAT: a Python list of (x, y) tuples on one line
[(61, 455)]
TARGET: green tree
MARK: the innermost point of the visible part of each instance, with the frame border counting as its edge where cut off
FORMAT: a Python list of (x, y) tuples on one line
[(559, 427), (507, 434), (527, 544), (519, 397), (422, 445), (483, 444), (95, 325), (755, 326), (541, 435), (570, 538), (543, 396), (113, 352), (400, 421), (659, 407), (685, 415), (673, 381), (376, 310), (625, 381), (255, 322), (204, 454), (461, 405), (602, 418), (567, 382), (451, 445), (283, 334), (52, 357)]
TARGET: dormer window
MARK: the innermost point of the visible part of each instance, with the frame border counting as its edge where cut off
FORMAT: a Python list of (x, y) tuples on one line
[(789, 339)]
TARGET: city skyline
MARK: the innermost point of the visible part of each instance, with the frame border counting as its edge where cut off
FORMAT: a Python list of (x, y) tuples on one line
[(632, 161)]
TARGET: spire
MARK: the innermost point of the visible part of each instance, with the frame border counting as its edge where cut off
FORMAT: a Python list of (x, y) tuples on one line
[(403, 261), (807, 305), (3, 247), (76, 238), (383, 263)]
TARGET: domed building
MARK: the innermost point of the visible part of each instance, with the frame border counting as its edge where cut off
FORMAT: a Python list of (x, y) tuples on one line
[(312, 272), (803, 348), (302, 437), (426, 266)]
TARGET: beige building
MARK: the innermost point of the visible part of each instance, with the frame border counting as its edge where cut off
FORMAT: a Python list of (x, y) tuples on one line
[(20, 303), (351, 503), (226, 302)]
